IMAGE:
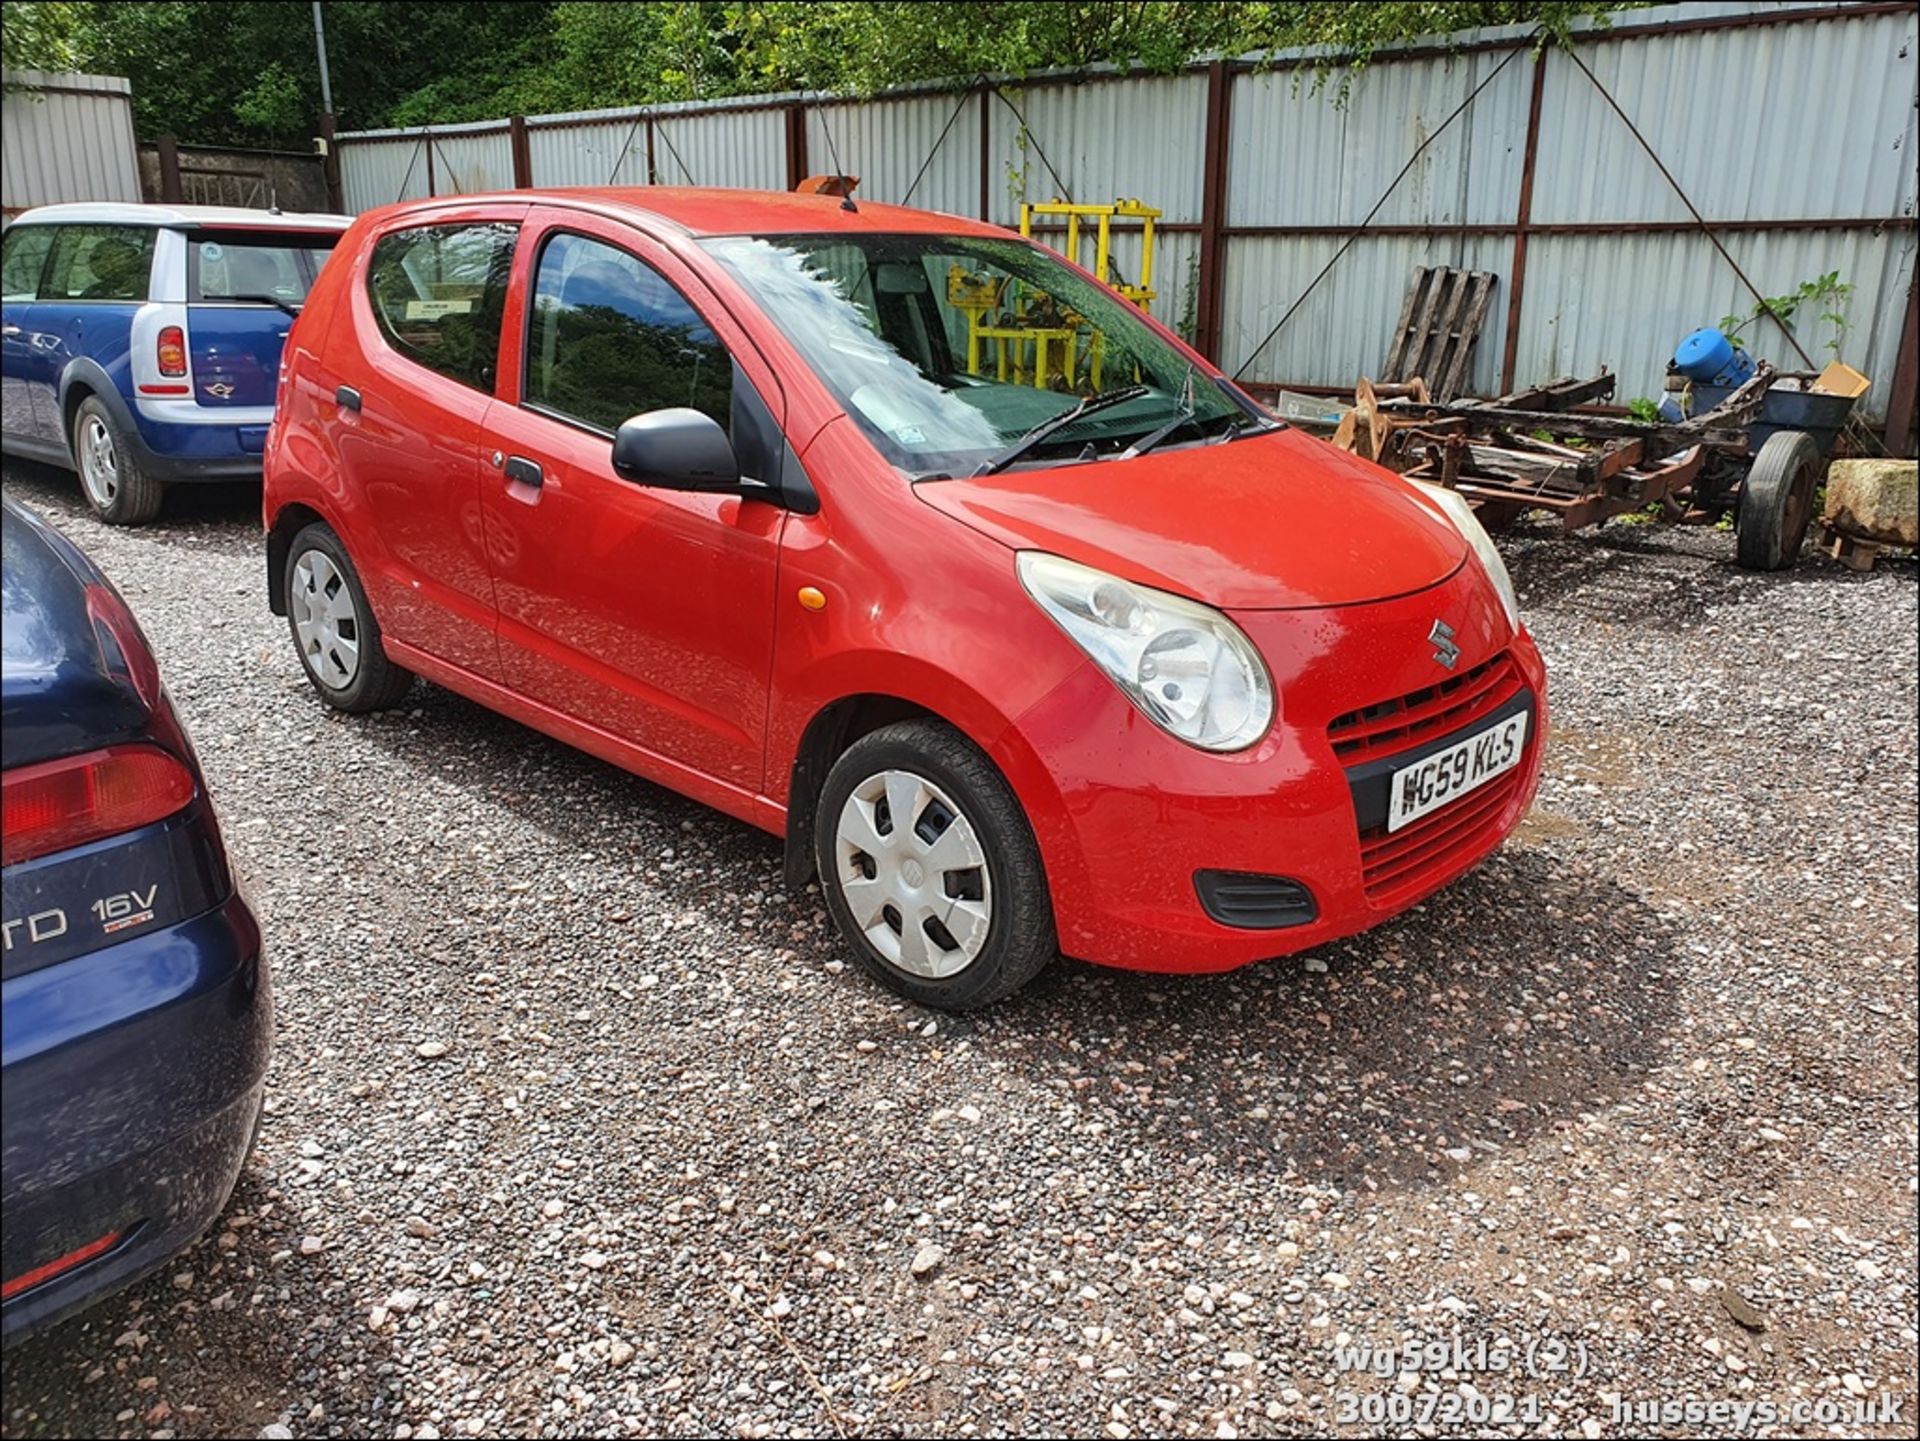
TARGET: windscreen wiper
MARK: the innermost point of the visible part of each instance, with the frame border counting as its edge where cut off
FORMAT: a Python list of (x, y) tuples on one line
[(286, 305), (1154, 437), (1000, 461)]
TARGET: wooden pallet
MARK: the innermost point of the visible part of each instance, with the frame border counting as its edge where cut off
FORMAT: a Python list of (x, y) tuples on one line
[(1852, 551), (1439, 322)]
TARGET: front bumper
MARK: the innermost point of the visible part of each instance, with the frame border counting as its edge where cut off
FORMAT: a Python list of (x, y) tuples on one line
[(1126, 816), (133, 1078)]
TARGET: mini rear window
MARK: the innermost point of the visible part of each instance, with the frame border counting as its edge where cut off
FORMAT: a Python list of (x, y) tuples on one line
[(268, 267)]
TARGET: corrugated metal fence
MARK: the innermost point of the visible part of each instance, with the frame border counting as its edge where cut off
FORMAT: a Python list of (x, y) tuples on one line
[(66, 137), (1792, 129)]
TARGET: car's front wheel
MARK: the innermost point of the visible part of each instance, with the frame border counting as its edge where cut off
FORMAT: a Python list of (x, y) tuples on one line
[(334, 629), (120, 492), (930, 869)]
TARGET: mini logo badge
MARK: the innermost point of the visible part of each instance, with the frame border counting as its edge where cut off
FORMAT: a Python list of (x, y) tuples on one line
[(219, 390), (1444, 650)]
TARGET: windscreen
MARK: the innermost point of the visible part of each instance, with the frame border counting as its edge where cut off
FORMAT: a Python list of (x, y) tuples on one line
[(946, 349), (272, 265)]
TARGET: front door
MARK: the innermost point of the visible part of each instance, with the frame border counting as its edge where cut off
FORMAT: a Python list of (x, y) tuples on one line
[(643, 612), (27, 357)]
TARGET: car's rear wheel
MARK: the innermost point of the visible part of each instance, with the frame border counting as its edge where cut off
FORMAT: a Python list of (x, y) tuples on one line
[(930, 869), (120, 492), (334, 628)]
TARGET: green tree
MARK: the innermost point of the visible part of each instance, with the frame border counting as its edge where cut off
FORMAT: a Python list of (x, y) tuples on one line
[(241, 71), (38, 36)]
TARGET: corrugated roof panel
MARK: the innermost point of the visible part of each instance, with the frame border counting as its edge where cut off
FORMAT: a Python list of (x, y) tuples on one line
[(1301, 157), (743, 148), (1778, 122), (1136, 139), (608, 152), (1343, 330), (72, 142), (1622, 302), (887, 141)]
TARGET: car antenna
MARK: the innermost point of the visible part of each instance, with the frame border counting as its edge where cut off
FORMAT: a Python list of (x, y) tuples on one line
[(846, 192)]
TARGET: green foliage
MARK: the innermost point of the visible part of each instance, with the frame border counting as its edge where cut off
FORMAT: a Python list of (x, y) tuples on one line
[(1644, 407), (1829, 293), (240, 71), (37, 36)]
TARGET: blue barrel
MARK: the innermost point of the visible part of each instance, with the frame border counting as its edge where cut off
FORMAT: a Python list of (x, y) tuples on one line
[(1708, 357)]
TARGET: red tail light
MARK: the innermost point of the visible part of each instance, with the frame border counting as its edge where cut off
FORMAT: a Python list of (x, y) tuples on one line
[(27, 1280), (171, 350), (59, 804)]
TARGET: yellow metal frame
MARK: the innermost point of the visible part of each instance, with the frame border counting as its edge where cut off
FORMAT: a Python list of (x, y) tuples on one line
[(1103, 217)]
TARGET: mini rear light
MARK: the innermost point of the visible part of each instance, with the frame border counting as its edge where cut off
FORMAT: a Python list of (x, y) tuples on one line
[(171, 351), (79, 1256), (56, 805)]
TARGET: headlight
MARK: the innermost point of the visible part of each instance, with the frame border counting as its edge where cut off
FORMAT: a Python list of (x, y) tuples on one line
[(1475, 534), (1186, 666)]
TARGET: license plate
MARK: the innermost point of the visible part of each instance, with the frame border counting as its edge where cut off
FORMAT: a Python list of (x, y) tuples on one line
[(1446, 775)]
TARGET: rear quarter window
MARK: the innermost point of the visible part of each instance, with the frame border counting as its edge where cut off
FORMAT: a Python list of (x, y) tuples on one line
[(23, 260), (100, 262), (438, 293)]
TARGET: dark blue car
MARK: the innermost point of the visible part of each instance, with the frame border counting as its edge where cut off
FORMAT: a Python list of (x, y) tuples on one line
[(134, 1002), (140, 344)]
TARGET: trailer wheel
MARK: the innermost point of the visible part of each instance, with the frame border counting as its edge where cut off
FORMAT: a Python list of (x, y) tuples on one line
[(1776, 501)]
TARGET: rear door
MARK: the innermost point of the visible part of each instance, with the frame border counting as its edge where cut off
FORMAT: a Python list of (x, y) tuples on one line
[(410, 380), (243, 289)]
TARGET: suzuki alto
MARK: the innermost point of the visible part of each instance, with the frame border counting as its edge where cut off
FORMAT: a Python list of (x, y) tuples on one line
[(904, 539)]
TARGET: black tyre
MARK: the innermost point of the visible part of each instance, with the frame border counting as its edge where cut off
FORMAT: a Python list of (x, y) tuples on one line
[(120, 492), (334, 629), (930, 869), (1776, 501)]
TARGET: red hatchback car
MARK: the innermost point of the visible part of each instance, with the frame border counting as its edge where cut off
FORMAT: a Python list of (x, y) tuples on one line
[(902, 538)]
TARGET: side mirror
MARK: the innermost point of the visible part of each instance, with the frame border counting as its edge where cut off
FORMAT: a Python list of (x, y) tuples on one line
[(677, 449)]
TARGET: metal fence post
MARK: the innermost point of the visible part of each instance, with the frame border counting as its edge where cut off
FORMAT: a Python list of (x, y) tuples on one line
[(522, 152), (1523, 217), (796, 146), (169, 157), (1213, 208)]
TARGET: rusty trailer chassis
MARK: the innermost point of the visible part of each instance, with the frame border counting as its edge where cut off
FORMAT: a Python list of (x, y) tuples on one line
[(1494, 454)]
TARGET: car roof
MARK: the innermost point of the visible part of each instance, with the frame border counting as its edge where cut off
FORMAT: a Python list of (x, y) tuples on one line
[(179, 217), (704, 211)]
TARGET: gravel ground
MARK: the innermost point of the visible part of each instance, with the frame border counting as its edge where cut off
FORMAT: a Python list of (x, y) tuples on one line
[(580, 1123)]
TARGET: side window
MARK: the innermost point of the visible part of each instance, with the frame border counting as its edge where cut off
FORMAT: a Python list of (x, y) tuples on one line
[(23, 256), (608, 338), (100, 262), (438, 293)]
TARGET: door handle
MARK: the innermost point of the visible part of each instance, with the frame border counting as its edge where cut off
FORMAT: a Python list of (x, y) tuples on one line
[(526, 472), (347, 398), (9, 330)]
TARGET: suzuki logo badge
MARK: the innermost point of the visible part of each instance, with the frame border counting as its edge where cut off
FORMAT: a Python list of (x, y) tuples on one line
[(1444, 650)]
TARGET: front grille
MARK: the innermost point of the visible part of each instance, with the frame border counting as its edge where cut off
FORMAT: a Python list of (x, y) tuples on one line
[(1254, 902), (1395, 725), (1394, 864)]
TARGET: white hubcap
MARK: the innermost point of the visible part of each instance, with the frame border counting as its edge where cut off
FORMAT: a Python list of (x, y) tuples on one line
[(325, 620), (914, 874), (99, 467)]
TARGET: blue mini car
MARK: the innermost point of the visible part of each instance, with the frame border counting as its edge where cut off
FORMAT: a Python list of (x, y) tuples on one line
[(133, 999), (141, 343)]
